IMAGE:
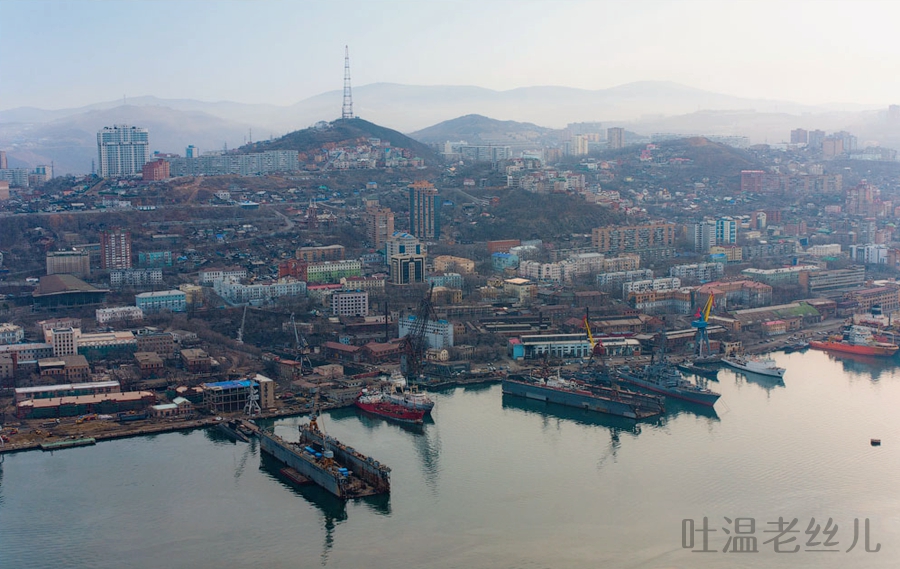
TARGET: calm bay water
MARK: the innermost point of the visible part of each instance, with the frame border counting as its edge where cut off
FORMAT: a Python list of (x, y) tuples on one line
[(494, 482)]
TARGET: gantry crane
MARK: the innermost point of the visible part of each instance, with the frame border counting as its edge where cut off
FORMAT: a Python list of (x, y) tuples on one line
[(700, 323), (415, 344)]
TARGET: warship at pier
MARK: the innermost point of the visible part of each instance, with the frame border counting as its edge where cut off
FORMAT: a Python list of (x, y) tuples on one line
[(571, 393)]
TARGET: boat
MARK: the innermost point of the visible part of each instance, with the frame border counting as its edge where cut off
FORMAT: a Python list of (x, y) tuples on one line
[(663, 377), (69, 443), (857, 340), (795, 347), (761, 366), (703, 371), (378, 404), (402, 394), (233, 429), (570, 393)]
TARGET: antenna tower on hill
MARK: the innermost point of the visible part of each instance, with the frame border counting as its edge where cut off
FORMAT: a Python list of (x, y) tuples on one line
[(347, 109)]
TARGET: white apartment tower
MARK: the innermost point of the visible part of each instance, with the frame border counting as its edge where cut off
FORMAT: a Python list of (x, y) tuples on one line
[(122, 150)]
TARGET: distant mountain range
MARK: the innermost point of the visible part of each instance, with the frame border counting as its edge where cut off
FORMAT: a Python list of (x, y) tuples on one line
[(68, 136)]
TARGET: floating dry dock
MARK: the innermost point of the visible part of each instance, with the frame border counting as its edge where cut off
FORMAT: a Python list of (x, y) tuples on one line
[(329, 463)]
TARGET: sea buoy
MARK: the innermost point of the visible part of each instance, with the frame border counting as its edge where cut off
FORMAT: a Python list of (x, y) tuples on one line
[(876, 442)]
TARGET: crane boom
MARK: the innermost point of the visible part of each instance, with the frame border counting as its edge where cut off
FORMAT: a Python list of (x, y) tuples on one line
[(708, 308)]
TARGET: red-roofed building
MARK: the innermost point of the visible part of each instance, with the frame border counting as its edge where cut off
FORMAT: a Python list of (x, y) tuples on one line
[(342, 352)]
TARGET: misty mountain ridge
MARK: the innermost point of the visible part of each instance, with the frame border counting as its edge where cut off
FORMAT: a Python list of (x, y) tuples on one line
[(67, 137)]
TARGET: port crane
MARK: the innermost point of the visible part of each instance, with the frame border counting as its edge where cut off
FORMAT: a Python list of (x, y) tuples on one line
[(415, 344), (701, 322), (301, 346), (597, 347)]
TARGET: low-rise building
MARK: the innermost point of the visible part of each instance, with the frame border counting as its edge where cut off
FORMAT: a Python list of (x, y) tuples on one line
[(161, 301), (350, 303), (135, 278), (70, 406), (160, 343), (69, 369), (66, 390), (11, 334), (196, 360), (438, 333), (210, 276), (150, 364), (128, 314)]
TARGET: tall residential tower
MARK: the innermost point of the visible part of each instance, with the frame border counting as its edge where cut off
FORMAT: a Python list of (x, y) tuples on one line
[(424, 211), (122, 150)]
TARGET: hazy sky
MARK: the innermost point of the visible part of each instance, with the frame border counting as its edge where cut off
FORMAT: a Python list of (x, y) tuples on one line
[(72, 53)]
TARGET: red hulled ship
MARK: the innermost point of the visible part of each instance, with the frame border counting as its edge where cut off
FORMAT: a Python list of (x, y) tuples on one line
[(856, 340), (377, 405)]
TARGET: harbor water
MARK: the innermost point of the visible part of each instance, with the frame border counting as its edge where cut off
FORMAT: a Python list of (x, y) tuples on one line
[(496, 481)]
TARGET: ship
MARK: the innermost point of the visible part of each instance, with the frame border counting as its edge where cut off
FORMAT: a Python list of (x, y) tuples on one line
[(857, 340), (610, 400), (703, 371), (661, 376), (327, 462), (378, 404), (761, 366), (402, 394)]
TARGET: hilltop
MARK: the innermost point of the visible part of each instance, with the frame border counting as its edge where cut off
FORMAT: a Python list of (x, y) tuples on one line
[(479, 129), (342, 132)]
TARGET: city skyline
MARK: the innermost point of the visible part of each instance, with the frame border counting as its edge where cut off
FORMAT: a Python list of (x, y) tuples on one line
[(584, 45)]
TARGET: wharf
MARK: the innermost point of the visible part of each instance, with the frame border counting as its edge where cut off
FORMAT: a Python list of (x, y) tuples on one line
[(109, 430)]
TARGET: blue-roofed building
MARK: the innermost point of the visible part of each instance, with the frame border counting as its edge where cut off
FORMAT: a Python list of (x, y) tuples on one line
[(226, 396)]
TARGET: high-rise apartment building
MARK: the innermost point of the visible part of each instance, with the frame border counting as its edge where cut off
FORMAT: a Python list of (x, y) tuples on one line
[(424, 211), (115, 249), (615, 138), (726, 231), (379, 226), (122, 150), (704, 236), (192, 152), (815, 138), (799, 136)]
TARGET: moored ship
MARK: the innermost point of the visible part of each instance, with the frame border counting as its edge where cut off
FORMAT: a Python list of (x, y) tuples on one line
[(378, 404), (666, 379), (708, 372), (761, 366), (575, 394), (857, 340), (407, 396)]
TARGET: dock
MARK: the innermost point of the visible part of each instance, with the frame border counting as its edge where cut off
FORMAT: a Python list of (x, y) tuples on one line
[(326, 462), (69, 443)]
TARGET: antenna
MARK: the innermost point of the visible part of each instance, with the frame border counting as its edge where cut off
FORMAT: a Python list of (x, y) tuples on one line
[(347, 109)]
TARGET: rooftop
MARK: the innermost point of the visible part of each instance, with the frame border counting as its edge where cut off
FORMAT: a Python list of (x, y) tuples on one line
[(62, 284)]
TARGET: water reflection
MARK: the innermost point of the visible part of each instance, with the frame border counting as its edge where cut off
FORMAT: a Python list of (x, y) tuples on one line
[(676, 407), (767, 382), (864, 365), (550, 411), (332, 510), (553, 414)]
